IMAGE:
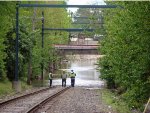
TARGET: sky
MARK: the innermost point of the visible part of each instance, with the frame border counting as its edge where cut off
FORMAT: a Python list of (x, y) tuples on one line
[(84, 2)]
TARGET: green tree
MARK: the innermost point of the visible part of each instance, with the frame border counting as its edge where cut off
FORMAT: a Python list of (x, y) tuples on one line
[(126, 46), (89, 18), (6, 12), (53, 18), (31, 54), (25, 43)]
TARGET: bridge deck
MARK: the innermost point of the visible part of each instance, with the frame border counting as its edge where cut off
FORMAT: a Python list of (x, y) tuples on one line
[(75, 47)]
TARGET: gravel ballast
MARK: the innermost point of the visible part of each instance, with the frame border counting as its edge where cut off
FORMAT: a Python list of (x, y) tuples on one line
[(77, 100)]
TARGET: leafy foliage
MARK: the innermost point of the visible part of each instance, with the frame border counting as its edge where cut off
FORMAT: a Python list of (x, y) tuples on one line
[(31, 54), (89, 18), (6, 12), (25, 43), (126, 47)]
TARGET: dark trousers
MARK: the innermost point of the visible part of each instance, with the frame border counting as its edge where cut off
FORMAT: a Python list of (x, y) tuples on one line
[(72, 81), (64, 82), (50, 82)]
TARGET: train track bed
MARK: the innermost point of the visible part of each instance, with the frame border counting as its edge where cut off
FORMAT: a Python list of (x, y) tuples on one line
[(26, 102), (18, 94), (76, 100)]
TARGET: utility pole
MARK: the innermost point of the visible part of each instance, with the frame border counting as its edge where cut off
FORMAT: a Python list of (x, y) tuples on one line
[(30, 59), (42, 64), (17, 37), (16, 84)]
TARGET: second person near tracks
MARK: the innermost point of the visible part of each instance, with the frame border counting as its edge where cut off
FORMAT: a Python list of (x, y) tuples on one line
[(50, 75), (64, 77), (72, 76)]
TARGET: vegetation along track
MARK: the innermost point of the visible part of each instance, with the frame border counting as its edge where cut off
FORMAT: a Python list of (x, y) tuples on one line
[(26, 103)]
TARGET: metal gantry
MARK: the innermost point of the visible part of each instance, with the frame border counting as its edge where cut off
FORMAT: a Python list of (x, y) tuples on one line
[(87, 23), (49, 6), (68, 30), (67, 6)]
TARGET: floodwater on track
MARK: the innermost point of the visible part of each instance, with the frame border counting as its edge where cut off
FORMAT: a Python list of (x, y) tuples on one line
[(85, 68)]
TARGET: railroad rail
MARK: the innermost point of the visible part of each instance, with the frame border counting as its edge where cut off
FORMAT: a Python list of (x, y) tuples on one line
[(28, 102), (42, 103), (22, 96)]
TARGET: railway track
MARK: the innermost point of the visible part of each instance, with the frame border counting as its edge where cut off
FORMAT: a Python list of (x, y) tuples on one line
[(35, 108), (22, 96), (30, 102)]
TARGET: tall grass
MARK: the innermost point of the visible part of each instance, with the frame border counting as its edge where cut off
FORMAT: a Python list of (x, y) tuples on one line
[(6, 88), (114, 101)]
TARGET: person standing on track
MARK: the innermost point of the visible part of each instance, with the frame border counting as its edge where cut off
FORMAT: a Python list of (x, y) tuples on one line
[(64, 77), (72, 76), (50, 79)]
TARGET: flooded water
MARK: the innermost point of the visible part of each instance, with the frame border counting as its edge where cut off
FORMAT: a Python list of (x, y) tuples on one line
[(85, 68)]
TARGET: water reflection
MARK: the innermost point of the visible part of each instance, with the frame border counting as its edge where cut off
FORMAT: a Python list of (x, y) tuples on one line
[(85, 69)]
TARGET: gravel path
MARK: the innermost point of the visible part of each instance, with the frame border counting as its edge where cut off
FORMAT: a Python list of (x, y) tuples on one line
[(77, 100)]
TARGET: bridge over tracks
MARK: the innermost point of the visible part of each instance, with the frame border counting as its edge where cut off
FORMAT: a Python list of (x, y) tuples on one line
[(77, 49)]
